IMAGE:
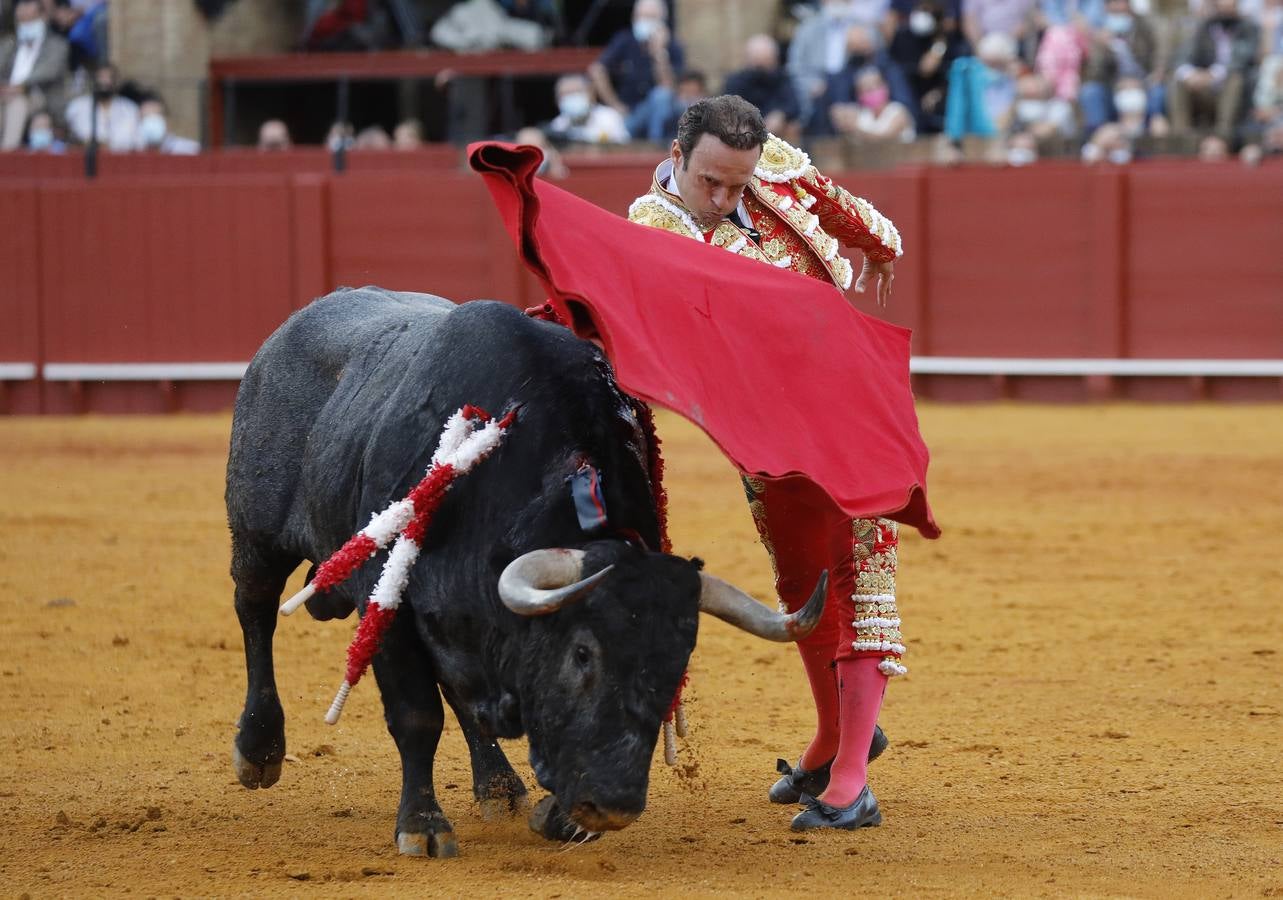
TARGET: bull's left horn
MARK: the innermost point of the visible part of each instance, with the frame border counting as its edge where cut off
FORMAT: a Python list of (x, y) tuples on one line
[(543, 581), (730, 604)]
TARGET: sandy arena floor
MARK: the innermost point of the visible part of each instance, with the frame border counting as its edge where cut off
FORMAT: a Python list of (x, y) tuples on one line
[(1093, 707)]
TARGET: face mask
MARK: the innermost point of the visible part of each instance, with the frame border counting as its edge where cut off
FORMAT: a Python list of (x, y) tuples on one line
[(1130, 101), (31, 31), (1118, 23), (573, 106), (40, 139), (1120, 157), (643, 29), (1021, 156), (922, 23), (104, 93), (152, 129), (1031, 110), (875, 99)]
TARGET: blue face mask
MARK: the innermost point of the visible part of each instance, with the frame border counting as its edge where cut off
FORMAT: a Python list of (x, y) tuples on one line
[(1118, 23), (40, 139), (643, 29)]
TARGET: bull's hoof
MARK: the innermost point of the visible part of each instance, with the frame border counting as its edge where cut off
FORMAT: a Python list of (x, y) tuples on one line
[(253, 775), (547, 820), (438, 845), (495, 808)]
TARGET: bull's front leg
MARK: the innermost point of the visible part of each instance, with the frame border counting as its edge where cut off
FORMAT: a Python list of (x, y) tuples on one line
[(415, 716), (498, 789), (259, 747)]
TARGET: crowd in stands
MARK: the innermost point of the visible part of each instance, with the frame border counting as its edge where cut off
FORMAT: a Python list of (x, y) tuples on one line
[(1008, 81)]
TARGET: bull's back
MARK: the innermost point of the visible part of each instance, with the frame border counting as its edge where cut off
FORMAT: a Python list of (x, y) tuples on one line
[(340, 350)]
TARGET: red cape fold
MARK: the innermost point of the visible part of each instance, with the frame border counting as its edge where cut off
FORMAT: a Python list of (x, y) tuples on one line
[(778, 369)]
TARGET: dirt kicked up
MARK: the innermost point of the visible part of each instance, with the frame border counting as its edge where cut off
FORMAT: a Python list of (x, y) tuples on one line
[(1094, 704)]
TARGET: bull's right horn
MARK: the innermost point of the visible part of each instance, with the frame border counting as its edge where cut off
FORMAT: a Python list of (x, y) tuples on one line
[(730, 604), (543, 581)]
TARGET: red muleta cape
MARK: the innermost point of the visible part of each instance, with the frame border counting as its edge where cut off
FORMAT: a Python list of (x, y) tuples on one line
[(778, 369)]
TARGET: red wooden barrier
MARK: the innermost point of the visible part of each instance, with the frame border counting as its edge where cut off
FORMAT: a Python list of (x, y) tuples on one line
[(1057, 262)]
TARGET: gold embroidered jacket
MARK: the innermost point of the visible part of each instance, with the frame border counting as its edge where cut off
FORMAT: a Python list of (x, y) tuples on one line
[(801, 216)]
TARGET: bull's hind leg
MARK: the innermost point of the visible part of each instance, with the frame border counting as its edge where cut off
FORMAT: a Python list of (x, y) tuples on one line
[(259, 747), (415, 716)]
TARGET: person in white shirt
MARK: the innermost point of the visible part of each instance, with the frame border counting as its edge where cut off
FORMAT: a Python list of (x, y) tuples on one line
[(582, 119), (153, 131), (117, 127), (33, 67)]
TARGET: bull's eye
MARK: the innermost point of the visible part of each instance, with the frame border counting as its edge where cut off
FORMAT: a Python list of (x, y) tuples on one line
[(583, 655)]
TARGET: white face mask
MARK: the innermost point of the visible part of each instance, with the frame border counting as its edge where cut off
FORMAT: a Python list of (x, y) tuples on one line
[(573, 106), (1130, 101), (1031, 110), (1021, 156), (40, 139), (152, 129), (1120, 157), (31, 31), (643, 29), (922, 23)]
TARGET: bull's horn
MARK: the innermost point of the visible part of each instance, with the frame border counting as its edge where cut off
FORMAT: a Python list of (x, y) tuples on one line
[(732, 605), (543, 581)]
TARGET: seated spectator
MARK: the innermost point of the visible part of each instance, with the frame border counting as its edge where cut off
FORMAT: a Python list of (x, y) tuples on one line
[(582, 119), (1126, 48), (274, 135), (1022, 149), (1059, 58), (106, 115), (373, 137), (764, 84), (924, 47), (655, 120), (341, 136), (1209, 84), (982, 90), (874, 117), (818, 51), (477, 25), (862, 49), (33, 69), (1010, 18), (408, 135), (1213, 148), (552, 165), (154, 134), (1039, 113), (84, 24), (1108, 143), (1131, 109), (1271, 20), (638, 60), (41, 138)]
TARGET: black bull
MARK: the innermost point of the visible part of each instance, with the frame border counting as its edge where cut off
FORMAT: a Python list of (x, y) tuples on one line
[(339, 414)]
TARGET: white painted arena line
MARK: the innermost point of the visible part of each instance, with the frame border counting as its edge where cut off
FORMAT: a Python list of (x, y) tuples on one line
[(17, 371), (207, 371), (918, 365)]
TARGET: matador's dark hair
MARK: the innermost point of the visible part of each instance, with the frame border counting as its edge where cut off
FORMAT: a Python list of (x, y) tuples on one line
[(731, 119)]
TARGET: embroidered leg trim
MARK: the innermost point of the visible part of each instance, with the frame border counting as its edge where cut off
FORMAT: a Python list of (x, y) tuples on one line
[(875, 622)]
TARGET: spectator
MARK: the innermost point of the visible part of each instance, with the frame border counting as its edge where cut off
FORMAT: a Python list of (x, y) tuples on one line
[(116, 116), (1059, 58), (1213, 148), (41, 137), (1210, 83), (33, 69), (764, 84), (274, 135), (1039, 113), (1011, 18), (341, 136), (84, 24), (1131, 112), (1271, 20), (655, 120), (154, 134), (982, 90), (874, 117), (1108, 144), (372, 137), (637, 61), (1125, 48), (924, 47), (819, 51), (581, 118), (408, 135), (552, 165), (861, 44), (1022, 149)]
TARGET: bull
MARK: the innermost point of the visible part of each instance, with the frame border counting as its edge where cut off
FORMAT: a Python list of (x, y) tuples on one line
[(524, 623)]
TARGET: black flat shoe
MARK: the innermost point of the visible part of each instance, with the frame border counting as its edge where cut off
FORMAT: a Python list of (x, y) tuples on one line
[(797, 781), (863, 813)]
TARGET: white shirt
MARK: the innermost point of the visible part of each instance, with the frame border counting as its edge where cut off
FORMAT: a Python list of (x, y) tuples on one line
[(604, 125), (24, 61), (117, 122)]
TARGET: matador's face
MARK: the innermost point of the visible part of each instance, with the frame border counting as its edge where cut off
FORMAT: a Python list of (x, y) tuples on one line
[(712, 179)]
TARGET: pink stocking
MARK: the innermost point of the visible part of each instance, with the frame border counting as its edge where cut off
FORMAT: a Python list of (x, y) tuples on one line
[(860, 687), (818, 662)]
